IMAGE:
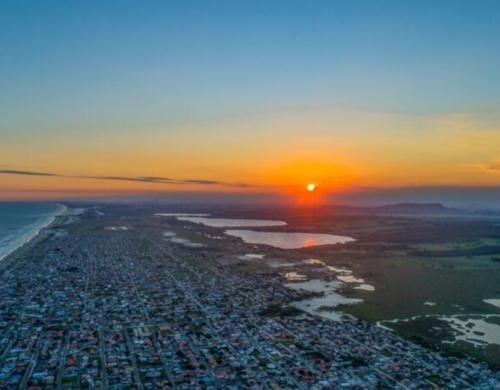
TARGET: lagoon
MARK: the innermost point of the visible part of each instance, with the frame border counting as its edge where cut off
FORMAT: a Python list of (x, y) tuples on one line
[(231, 222), (286, 240), (323, 305)]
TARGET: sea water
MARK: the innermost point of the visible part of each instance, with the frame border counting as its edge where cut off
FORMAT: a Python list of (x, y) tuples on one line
[(21, 221)]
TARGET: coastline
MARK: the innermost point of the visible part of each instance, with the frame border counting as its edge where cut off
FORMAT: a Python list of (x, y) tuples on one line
[(33, 237)]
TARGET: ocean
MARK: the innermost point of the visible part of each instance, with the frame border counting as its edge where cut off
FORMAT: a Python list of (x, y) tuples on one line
[(21, 221)]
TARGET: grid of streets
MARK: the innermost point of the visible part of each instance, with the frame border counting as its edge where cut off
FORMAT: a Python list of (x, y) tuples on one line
[(100, 309)]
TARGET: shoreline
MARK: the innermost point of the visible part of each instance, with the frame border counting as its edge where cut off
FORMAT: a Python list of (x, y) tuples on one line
[(33, 238)]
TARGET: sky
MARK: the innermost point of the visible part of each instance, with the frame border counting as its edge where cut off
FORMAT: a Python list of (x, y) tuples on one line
[(110, 98)]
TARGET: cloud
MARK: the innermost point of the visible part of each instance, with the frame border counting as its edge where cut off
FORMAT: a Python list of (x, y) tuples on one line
[(156, 178), (26, 173), (213, 182), (491, 167), (201, 181), (141, 179)]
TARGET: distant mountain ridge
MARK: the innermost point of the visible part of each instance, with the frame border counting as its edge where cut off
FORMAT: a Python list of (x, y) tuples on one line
[(415, 208)]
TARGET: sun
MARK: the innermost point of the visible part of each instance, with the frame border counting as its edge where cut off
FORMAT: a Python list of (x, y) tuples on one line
[(311, 187)]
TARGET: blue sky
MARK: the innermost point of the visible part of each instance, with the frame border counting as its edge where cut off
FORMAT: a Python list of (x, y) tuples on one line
[(134, 75), (169, 59)]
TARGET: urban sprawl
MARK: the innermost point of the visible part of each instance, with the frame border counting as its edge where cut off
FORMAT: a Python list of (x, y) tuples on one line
[(89, 307)]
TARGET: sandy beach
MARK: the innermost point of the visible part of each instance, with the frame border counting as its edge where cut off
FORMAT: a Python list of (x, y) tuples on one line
[(37, 236)]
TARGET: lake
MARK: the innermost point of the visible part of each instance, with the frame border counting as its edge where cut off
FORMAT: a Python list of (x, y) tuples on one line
[(231, 222), (285, 240)]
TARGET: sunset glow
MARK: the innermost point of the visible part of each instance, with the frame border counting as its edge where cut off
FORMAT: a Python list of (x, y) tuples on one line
[(216, 118)]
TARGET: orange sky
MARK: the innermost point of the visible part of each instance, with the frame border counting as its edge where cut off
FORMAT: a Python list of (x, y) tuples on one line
[(337, 149)]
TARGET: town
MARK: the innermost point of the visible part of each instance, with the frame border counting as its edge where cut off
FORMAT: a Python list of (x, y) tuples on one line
[(103, 302)]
